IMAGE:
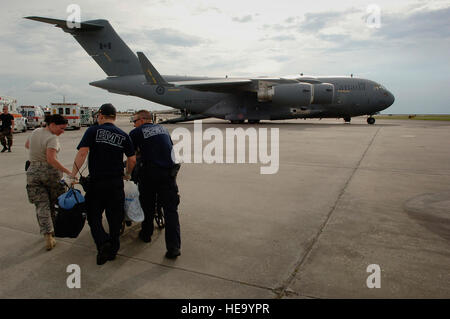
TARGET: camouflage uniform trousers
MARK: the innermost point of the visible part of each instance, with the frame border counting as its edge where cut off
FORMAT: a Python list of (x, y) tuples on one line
[(6, 134), (43, 188)]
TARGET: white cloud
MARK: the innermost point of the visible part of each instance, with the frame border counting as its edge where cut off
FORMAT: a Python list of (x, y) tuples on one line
[(38, 86), (52, 88), (243, 19)]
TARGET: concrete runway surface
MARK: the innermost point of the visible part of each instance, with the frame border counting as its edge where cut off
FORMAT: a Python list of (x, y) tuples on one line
[(346, 196)]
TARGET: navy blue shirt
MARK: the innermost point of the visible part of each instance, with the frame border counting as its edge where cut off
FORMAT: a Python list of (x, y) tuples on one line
[(107, 144), (154, 144)]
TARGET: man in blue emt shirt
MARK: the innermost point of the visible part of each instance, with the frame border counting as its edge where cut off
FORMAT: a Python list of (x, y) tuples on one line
[(156, 175), (106, 144)]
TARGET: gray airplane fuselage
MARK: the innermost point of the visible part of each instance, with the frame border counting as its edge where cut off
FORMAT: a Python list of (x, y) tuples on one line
[(352, 97)]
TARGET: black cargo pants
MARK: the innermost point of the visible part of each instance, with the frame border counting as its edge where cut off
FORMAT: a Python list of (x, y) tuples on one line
[(6, 134), (106, 195), (156, 181)]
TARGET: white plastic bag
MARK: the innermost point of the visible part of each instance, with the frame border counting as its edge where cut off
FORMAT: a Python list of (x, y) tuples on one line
[(133, 209)]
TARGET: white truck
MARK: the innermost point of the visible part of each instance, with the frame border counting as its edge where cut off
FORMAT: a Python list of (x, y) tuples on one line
[(87, 116), (71, 111), (34, 114)]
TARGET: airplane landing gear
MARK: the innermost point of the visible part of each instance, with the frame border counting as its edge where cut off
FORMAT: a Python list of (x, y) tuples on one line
[(370, 120), (347, 119), (237, 121), (253, 121)]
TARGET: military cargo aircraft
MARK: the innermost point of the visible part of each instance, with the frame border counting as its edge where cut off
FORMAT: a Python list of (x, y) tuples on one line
[(234, 99)]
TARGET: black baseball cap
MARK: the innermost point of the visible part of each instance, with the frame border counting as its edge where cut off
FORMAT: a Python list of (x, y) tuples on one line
[(107, 109)]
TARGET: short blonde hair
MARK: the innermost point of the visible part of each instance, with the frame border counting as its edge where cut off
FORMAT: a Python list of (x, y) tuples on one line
[(144, 114)]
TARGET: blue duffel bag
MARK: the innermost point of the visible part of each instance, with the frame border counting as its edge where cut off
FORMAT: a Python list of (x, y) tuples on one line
[(70, 214), (70, 198)]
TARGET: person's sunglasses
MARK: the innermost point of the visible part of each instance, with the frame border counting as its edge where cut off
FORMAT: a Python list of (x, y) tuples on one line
[(134, 121)]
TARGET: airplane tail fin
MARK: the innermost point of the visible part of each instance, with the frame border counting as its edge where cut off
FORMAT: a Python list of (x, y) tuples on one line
[(103, 44), (151, 74)]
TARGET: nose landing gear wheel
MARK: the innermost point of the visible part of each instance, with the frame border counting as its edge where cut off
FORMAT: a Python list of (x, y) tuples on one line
[(370, 120), (347, 119)]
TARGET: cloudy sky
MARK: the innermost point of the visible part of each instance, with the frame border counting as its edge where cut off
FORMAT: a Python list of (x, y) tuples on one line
[(408, 53)]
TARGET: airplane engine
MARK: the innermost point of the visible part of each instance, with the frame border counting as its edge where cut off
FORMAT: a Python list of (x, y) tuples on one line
[(323, 93), (298, 94)]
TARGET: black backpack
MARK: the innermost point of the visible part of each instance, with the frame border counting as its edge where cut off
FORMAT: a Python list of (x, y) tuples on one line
[(70, 222)]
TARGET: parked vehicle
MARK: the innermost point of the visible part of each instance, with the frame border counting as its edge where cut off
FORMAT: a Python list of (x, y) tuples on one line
[(34, 114), (71, 111), (87, 116), (20, 123), (47, 110)]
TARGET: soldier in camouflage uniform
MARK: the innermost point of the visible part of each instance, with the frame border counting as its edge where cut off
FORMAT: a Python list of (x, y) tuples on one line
[(43, 188), (44, 174)]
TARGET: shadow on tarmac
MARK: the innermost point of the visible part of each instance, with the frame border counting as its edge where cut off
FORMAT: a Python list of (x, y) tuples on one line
[(432, 211)]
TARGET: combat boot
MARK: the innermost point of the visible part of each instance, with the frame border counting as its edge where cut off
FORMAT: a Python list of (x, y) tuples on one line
[(50, 242)]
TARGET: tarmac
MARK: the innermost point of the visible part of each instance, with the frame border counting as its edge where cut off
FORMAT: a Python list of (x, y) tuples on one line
[(345, 196)]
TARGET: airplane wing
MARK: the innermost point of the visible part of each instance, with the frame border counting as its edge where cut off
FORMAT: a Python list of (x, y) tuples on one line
[(238, 84), (310, 80), (215, 85)]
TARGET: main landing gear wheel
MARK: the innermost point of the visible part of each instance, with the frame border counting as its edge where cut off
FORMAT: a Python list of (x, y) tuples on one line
[(253, 121), (347, 119), (237, 121), (371, 120)]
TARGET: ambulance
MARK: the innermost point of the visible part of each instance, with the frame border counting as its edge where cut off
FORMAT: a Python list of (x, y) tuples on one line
[(34, 114), (71, 111), (87, 116), (20, 123), (47, 110)]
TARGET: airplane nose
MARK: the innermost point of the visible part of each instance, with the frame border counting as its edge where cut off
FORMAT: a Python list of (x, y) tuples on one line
[(388, 99), (391, 99)]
